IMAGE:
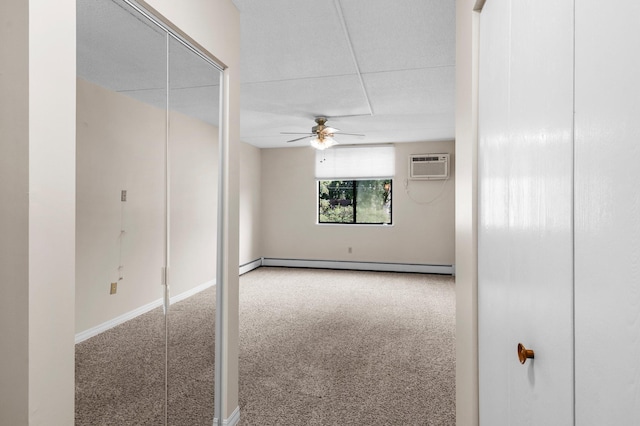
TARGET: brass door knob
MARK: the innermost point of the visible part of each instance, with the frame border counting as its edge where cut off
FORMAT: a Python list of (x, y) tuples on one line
[(524, 353)]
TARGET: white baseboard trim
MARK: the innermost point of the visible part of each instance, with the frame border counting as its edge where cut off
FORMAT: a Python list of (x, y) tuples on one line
[(189, 293), (94, 331), (360, 266), (250, 266), (233, 419), (100, 328)]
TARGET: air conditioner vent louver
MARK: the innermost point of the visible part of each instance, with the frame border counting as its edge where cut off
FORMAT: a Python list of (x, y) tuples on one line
[(429, 166)]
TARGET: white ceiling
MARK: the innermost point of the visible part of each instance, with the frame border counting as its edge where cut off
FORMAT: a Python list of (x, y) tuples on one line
[(390, 62), (385, 68)]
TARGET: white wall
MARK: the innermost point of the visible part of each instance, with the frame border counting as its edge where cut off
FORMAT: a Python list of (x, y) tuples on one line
[(37, 147), (121, 145), (38, 348), (14, 212), (421, 234), (193, 175), (250, 200)]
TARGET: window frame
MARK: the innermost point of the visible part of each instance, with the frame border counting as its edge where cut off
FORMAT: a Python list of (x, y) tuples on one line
[(355, 195)]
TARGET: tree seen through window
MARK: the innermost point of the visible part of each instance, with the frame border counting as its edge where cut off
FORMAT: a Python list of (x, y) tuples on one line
[(354, 201)]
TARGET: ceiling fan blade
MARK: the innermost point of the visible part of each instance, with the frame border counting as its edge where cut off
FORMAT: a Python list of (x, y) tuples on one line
[(299, 139), (351, 134), (329, 117), (328, 129), (297, 133)]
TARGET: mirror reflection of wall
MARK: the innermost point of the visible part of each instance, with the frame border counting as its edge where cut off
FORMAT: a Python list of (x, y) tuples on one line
[(194, 93), (148, 124)]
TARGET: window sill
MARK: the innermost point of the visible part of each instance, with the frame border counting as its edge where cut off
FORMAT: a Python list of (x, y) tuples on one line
[(379, 225)]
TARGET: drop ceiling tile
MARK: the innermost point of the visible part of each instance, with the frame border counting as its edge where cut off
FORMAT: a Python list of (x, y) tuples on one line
[(202, 103), (329, 96), (118, 50), (284, 39), (395, 128), (395, 35), (377, 129), (425, 91)]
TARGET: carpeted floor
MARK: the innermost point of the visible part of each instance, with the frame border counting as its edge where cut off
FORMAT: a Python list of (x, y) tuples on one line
[(317, 347)]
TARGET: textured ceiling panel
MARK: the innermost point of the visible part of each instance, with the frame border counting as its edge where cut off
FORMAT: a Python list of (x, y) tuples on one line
[(413, 128), (296, 64), (117, 49), (405, 51), (405, 34), (377, 129), (285, 39), (307, 97), (400, 128), (423, 91), (202, 103)]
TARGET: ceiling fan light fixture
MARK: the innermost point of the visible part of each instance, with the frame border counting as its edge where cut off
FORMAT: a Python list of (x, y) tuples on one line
[(321, 135), (323, 143)]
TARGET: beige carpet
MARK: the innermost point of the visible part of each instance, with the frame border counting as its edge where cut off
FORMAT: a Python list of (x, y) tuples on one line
[(317, 347)]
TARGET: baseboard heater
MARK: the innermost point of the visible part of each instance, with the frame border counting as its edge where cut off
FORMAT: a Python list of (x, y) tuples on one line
[(360, 266), (250, 266)]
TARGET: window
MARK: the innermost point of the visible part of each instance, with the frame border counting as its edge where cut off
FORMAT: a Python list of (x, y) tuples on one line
[(354, 201), (354, 184)]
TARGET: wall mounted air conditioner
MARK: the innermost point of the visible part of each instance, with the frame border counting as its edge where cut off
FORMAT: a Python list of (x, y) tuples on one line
[(429, 166)]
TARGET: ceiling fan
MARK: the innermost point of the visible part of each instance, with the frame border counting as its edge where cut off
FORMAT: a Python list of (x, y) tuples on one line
[(321, 135)]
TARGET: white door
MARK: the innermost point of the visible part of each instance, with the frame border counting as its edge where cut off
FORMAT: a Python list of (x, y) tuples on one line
[(607, 212), (525, 287)]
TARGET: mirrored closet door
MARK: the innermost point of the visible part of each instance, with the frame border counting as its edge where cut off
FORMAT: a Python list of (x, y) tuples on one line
[(194, 98), (147, 171)]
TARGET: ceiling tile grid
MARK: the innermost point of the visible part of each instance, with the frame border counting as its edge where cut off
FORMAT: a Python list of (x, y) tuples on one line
[(307, 58), (384, 68)]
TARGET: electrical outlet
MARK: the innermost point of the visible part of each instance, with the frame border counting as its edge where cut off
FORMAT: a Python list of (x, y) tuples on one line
[(123, 195), (349, 250), (114, 288)]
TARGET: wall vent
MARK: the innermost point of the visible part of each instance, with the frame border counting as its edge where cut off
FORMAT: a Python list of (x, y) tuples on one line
[(429, 166)]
